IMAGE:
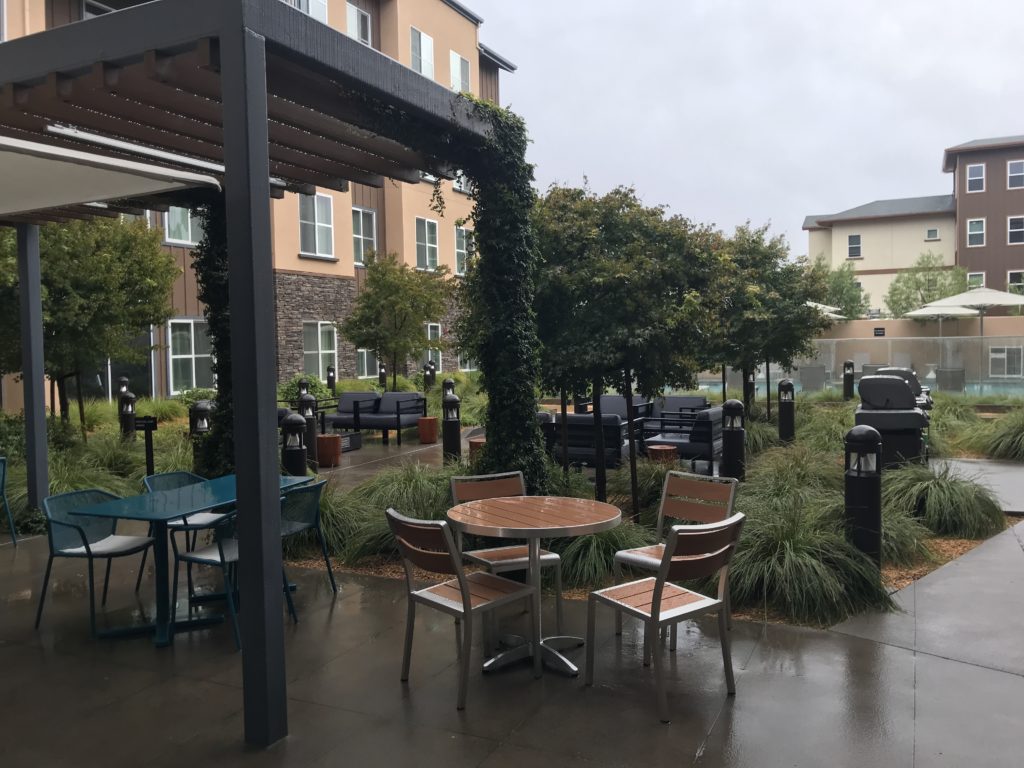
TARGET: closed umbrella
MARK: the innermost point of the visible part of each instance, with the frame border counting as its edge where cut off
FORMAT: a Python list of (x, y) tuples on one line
[(940, 314)]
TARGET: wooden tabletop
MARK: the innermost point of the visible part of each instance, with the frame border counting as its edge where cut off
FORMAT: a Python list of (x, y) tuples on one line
[(526, 517)]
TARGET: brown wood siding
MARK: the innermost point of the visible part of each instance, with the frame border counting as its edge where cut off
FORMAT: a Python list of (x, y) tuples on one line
[(489, 81), (372, 199), (61, 12)]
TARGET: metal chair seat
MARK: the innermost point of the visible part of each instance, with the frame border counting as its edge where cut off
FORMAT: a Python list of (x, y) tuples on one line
[(197, 521), (637, 598), (111, 546), (486, 591), (211, 554)]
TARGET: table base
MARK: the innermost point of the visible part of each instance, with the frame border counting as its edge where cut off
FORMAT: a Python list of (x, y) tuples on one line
[(551, 655)]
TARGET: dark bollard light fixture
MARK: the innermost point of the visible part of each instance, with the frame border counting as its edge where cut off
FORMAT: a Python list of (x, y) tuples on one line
[(199, 417), (332, 379), (429, 374), (451, 423), (127, 416), (863, 490), (122, 385), (307, 410), (733, 462), (293, 450), (787, 411), (848, 380), (303, 387), (382, 376)]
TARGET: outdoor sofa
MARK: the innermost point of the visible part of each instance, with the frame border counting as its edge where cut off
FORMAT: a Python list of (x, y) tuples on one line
[(369, 410), (696, 434)]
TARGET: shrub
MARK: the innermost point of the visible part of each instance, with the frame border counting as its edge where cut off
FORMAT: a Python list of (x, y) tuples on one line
[(1002, 438), (190, 397), (650, 481), (573, 483), (948, 503), (823, 428), (288, 392), (107, 451), (98, 413), (12, 436), (785, 471), (163, 410)]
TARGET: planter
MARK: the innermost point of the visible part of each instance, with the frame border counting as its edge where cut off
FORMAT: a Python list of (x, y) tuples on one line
[(328, 450), (476, 445), (427, 426)]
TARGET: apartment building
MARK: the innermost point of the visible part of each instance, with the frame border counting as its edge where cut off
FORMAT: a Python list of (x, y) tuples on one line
[(979, 227), (321, 240)]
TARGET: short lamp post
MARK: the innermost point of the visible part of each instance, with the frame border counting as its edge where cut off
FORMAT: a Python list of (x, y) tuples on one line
[(787, 411), (382, 376), (451, 423), (848, 380), (332, 380), (734, 462), (863, 490), (122, 385), (293, 450), (429, 375), (307, 410), (126, 412), (303, 386), (198, 425), (750, 388)]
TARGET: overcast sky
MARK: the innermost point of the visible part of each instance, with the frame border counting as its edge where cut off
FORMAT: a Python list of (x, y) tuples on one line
[(729, 110)]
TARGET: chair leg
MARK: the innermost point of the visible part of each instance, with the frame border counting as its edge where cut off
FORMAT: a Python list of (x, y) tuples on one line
[(288, 597), (728, 610), (649, 640), (229, 591), (588, 678), (399, 433), (674, 638), (458, 638), (467, 655), (617, 577), (142, 565), (659, 681), (558, 599), (10, 521), (726, 640), (106, 581), (42, 594), (327, 560), (410, 625), (174, 594), (92, 600)]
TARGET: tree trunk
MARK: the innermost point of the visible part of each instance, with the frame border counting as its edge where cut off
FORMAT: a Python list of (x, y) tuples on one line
[(81, 405), (748, 391), (565, 432), (394, 372), (725, 391), (768, 386), (630, 415), (601, 476), (62, 398)]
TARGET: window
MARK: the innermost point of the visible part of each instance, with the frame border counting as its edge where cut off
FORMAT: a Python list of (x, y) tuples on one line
[(426, 244), (433, 334), (466, 363), (975, 279), (1015, 230), (976, 178), (463, 245), (364, 234), (316, 226), (1015, 281), (91, 10), (931, 234), (975, 233), (462, 184), (358, 26), (315, 8), (1015, 174), (143, 217), (1004, 362), (366, 364), (182, 227), (191, 357), (427, 177), (319, 348), (423, 53), (460, 73), (853, 247)]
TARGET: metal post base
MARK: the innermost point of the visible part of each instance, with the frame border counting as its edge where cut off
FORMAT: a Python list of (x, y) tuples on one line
[(551, 656)]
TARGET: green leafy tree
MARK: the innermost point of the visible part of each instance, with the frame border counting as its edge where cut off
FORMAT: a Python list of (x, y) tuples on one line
[(843, 290), (104, 282), (393, 307), (927, 281)]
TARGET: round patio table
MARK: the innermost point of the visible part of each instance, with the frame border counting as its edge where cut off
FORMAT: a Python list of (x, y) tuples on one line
[(534, 518)]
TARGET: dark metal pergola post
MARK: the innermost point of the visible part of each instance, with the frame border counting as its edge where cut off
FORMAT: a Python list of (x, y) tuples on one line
[(250, 274), (30, 296)]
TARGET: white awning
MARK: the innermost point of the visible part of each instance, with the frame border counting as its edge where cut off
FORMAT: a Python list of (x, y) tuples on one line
[(36, 177)]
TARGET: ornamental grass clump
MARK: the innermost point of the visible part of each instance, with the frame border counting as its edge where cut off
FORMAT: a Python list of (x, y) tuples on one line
[(760, 436), (587, 560), (1001, 438), (824, 428), (650, 477), (781, 472), (948, 503)]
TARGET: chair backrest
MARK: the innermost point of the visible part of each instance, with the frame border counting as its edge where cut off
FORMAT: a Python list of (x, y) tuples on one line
[(3, 476), (429, 545), (390, 400), (616, 405), (58, 511), (301, 505), (347, 402), (695, 498), (473, 487), (168, 481)]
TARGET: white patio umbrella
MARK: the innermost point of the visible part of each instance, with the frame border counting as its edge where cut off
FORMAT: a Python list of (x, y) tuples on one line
[(980, 299), (940, 314), (832, 313)]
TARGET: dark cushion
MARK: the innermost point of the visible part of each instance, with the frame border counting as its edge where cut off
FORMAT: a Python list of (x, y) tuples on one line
[(906, 374), (347, 401), (388, 420), (616, 404), (390, 400)]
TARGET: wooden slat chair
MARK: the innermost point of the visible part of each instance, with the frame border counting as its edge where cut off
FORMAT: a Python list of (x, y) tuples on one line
[(685, 497), (691, 552), (429, 545), (504, 559)]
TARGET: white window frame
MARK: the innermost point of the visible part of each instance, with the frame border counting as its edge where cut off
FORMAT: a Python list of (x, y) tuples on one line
[(363, 357), (455, 64), (974, 274), (192, 241), (461, 183), (968, 179), (928, 237), (466, 364), (427, 246), (433, 354), (318, 254), (467, 235), (1010, 229), (331, 355), (969, 233), (426, 62), (1009, 285), (850, 246), (1002, 354), (316, 9), (1010, 175), (355, 15), (171, 357), (359, 255)]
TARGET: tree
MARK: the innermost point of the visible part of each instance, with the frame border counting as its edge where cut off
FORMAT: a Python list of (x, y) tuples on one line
[(104, 282), (927, 281), (393, 307), (842, 290)]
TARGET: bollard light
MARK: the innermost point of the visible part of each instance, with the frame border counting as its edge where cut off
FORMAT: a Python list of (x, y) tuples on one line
[(303, 386), (787, 411), (732, 415), (122, 385), (332, 379), (307, 405), (863, 490), (451, 424), (448, 386), (293, 451), (786, 391), (382, 376), (863, 451), (126, 415), (199, 417), (307, 410), (128, 404), (733, 462), (848, 380)]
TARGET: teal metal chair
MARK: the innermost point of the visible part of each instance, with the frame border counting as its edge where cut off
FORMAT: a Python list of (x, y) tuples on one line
[(3, 500), (300, 512), (85, 537)]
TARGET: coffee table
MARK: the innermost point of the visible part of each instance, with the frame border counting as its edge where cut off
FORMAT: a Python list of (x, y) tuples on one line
[(534, 518)]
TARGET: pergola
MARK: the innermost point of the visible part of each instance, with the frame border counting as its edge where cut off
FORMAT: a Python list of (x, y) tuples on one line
[(259, 96)]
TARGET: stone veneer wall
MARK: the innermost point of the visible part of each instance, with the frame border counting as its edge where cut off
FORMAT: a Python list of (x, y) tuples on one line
[(308, 297)]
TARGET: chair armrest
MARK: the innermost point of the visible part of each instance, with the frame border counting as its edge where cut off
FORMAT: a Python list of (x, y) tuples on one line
[(81, 533), (644, 410), (413, 405)]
